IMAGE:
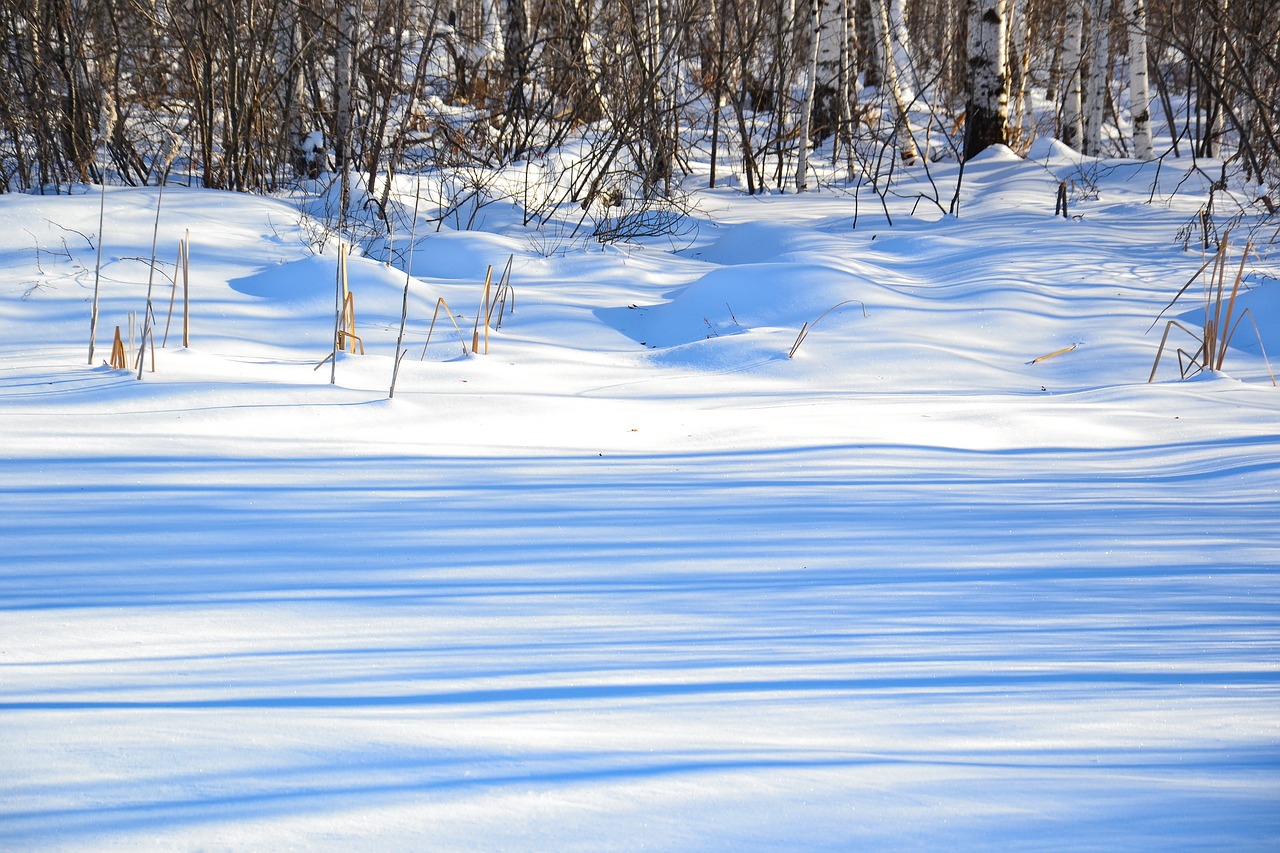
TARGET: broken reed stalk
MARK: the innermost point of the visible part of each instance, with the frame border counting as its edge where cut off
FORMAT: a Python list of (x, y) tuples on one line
[(348, 340), (1053, 354), (119, 360), (500, 296), (186, 290), (449, 311), (340, 287), (1231, 304), (147, 316), (165, 162), (180, 266), (408, 274), (483, 313), (808, 327), (108, 121)]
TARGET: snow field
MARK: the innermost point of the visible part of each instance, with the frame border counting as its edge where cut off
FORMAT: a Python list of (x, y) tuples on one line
[(636, 579)]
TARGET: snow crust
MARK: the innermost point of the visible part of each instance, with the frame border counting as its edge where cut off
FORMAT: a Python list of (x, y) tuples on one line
[(635, 579)]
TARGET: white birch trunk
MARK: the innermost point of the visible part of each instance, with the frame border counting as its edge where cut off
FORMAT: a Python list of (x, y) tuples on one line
[(1096, 92), (588, 11), (1072, 133), (656, 77), (880, 25), (290, 71), (1139, 96), (491, 51), (810, 85), (902, 54), (848, 89), (987, 110), (831, 33), (1019, 67), (1213, 139), (344, 67)]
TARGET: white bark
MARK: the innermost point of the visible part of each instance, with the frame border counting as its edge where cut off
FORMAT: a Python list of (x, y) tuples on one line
[(848, 89), (1214, 137), (1096, 91), (902, 54), (290, 72), (348, 32), (811, 80), (787, 15), (1018, 69), (831, 35), (987, 110), (491, 51), (1072, 56), (586, 12), (1139, 97), (880, 25)]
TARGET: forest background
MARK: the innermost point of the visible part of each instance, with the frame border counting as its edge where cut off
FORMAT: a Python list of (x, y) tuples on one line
[(598, 108)]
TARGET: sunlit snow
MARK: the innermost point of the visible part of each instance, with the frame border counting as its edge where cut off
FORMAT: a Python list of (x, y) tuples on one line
[(636, 579)]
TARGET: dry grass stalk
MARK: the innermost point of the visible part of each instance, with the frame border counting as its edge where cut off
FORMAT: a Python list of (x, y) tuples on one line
[(149, 315), (348, 340), (1216, 331), (448, 311), (808, 327), (1053, 354), (108, 122), (182, 266), (408, 276), (503, 291), (119, 360), (339, 310), (483, 312), (186, 292)]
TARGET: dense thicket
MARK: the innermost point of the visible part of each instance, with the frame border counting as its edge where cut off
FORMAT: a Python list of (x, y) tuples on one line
[(262, 93)]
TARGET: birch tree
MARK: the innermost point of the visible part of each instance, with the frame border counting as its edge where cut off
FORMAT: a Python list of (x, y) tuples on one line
[(1139, 98), (832, 90), (1217, 87), (1018, 69), (344, 62), (987, 108), (811, 81), (902, 54), (902, 124), (491, 51), (1072, 132), (1096, 82)]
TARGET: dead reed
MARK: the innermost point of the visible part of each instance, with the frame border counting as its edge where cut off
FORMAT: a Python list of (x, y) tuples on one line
[(1216, 331), (808, 327)]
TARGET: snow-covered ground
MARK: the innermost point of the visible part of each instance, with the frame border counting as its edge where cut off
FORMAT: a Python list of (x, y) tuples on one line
[(635, 579)]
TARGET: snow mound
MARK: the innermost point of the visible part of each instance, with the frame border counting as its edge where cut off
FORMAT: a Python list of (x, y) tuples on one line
[(1047, 148), (736, 300), (464, 255), (756, 242), (995, 154), (307, 280)]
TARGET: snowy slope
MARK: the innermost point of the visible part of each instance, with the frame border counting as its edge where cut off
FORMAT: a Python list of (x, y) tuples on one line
[(636, 579)]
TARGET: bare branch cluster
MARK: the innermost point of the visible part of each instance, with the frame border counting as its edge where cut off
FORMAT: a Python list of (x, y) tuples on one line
[(265, 94)]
